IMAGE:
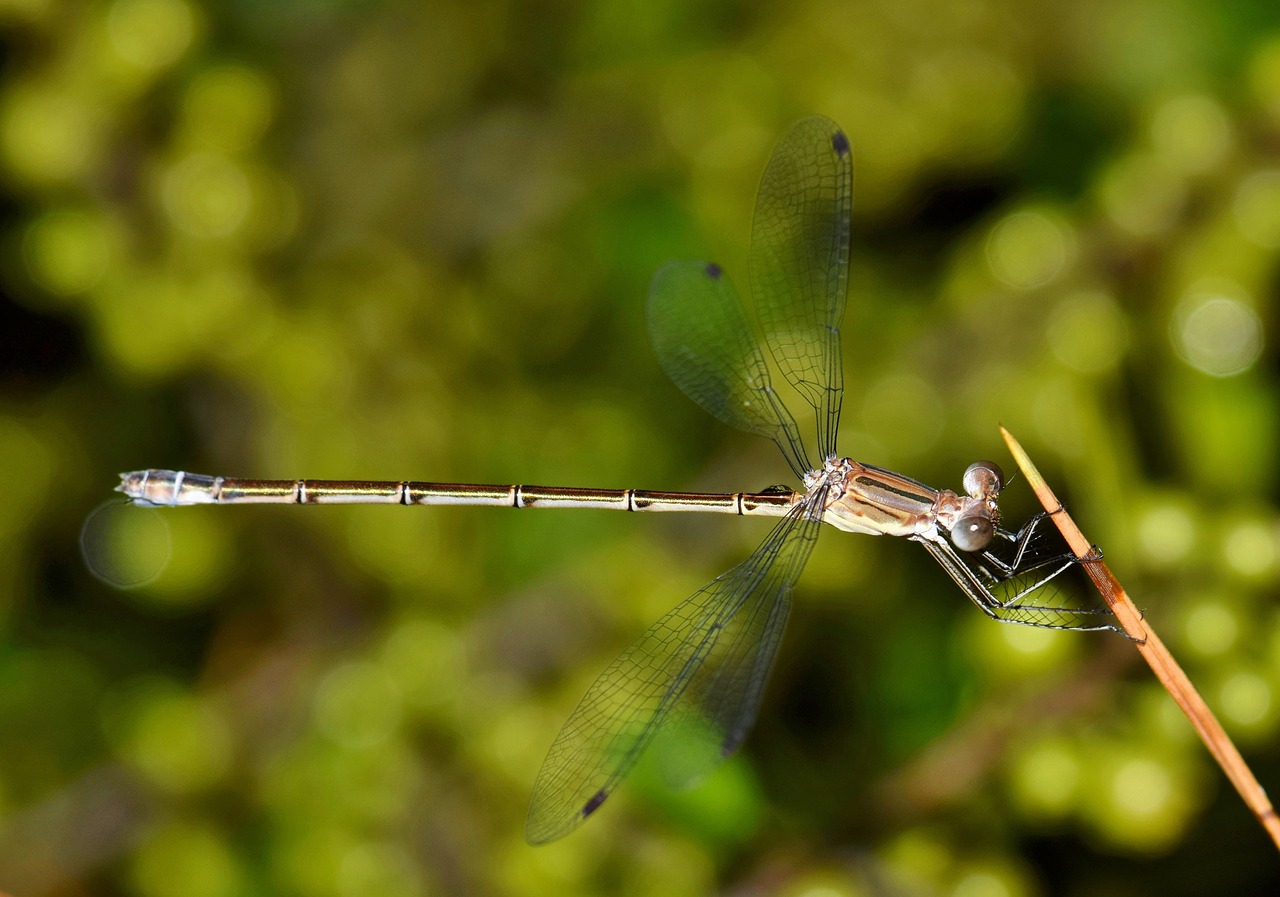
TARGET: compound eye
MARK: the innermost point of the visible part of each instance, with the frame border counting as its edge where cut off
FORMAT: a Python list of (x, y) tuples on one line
[(983, 478), (972, 533)]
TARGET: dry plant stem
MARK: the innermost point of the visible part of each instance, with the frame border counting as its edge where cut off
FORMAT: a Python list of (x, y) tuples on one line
[(1153, 650)]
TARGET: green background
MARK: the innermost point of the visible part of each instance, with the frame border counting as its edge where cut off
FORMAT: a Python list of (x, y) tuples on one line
[(412, 240)]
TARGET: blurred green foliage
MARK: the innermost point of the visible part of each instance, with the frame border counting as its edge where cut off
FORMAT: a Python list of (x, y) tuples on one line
[(405, 239)]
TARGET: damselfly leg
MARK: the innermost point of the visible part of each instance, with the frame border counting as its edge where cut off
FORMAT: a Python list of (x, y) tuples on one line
[(1024, 578)]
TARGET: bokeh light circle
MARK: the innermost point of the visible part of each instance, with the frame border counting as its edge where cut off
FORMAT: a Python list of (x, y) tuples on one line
[(124, 545), (1257, 208), (1029, 249), (1216, 332), (66, 252), (1087, 332)]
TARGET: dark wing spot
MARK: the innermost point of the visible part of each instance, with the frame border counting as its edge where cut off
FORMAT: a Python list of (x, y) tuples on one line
[(714, 271), (840, 143), (594, 804)]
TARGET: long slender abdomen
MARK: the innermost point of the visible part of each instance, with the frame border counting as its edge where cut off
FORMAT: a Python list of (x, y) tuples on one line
[(176, 488)]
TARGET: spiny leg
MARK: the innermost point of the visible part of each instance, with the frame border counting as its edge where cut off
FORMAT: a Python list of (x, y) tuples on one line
[(1006, 594)]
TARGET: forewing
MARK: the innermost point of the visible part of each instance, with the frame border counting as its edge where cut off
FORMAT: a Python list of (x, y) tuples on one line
[(699, 670), (724, 695), (800, 263), (705, 346)]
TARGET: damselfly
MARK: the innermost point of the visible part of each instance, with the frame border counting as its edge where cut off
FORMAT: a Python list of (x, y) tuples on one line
[(701, 669)]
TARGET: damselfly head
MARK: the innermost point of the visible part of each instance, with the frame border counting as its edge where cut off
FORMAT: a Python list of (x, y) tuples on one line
[(983, 479), (973, 533), (976, 526)]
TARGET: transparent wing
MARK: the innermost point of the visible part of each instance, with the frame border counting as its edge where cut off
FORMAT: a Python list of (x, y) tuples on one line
[(704, 344), (695, 677), (800, 263)]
